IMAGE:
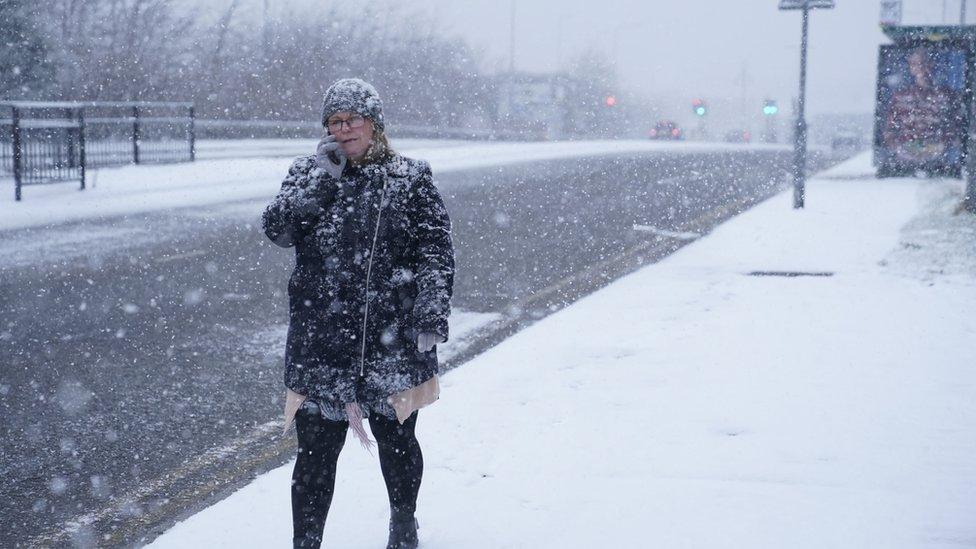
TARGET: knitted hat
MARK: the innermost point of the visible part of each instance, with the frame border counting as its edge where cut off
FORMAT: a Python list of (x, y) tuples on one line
[(353, 95)]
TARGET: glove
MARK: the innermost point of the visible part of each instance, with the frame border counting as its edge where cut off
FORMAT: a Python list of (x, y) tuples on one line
[(329, 156), (427, 340)]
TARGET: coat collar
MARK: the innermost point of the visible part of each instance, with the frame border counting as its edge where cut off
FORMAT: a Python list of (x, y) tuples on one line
[(396, 166)]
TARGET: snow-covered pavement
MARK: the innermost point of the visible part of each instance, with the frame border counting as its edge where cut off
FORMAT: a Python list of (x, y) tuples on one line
[(693, 404), (138, 189), (212, 149)]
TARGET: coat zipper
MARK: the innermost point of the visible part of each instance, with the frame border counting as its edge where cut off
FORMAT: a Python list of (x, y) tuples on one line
[(369, 269)]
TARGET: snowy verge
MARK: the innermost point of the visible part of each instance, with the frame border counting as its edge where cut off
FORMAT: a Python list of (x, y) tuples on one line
[(859, 166), (136, 189), (691, 404), (210, 149)]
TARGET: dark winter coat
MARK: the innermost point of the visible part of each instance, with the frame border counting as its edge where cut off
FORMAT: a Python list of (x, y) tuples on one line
[(333, 225)]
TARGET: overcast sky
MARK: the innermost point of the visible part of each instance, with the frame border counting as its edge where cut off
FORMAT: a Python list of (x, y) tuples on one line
[(731, 52), (687, 48)]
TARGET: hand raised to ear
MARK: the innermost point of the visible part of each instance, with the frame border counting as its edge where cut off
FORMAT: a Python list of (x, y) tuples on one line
[(329, 156)]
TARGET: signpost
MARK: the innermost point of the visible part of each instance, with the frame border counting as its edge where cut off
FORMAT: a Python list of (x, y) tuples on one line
[(800, 142), (805, 4)]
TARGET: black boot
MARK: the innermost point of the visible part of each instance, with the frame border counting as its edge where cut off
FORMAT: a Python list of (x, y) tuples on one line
[(403, 533)]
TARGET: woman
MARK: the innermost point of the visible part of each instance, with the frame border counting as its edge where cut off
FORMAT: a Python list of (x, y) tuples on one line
[(369, 300)]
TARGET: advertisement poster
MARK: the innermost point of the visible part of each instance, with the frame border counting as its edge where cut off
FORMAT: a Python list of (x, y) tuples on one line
[(921, 114)]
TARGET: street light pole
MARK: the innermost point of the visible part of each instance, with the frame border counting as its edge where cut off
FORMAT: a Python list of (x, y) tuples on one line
[(800, 135), (511, 39)]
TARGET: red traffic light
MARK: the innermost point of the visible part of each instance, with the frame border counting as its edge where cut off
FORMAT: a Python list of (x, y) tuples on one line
[(611, 101)]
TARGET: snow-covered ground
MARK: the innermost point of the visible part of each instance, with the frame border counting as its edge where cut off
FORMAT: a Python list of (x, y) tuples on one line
[(136, 189), (210, 149), (692, 404)]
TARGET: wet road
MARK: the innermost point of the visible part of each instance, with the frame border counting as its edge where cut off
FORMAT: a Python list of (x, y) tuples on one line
[(134, 348)]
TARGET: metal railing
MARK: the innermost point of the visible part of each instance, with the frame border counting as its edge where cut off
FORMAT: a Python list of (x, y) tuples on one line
[(47, 142)]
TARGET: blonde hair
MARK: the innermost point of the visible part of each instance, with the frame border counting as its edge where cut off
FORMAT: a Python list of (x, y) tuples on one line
[(379, 150)]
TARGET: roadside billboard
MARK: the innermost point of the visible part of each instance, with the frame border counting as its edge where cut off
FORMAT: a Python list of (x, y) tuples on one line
[(922, 115)]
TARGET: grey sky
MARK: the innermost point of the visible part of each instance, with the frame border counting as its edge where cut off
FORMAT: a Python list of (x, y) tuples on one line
[(733, 53), (674, 50)]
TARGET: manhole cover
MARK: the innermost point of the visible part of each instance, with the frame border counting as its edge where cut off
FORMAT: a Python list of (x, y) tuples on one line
[(791, 274)]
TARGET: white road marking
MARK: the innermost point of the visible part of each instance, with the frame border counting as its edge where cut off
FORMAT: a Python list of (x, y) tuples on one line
[(665, 233), (184, 255)]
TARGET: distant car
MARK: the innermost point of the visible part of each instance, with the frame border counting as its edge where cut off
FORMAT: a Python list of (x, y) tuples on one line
[(666, 130), (738, 136)]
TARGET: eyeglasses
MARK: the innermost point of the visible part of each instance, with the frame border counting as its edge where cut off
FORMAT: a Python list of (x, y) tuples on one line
[(351, 122)]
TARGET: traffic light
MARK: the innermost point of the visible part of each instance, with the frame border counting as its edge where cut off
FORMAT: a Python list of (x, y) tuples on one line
[(699, 106), (611, 100), (770, 108)]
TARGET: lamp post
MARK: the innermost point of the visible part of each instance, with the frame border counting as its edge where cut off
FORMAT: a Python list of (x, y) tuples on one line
[(511, 38), (800, 130)]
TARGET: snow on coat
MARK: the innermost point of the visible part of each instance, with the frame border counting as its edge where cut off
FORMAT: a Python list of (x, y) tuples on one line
[(332, 224)]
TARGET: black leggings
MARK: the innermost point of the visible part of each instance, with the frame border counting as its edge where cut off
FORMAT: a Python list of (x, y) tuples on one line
[(319, 443)]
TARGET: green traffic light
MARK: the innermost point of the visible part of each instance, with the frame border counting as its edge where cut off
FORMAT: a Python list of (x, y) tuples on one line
[(700, 111), (770, 110)]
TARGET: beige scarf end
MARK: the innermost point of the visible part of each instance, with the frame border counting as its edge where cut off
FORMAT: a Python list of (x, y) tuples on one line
[(293, 401), (409, 401)]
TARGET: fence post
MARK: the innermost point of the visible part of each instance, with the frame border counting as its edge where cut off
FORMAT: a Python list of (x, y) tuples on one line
[(83, 162), (18, 152), (69, 114), (192, 135), (136, 134)]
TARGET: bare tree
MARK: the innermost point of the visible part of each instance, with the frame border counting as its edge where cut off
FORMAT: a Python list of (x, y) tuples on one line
[(277, 68)]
